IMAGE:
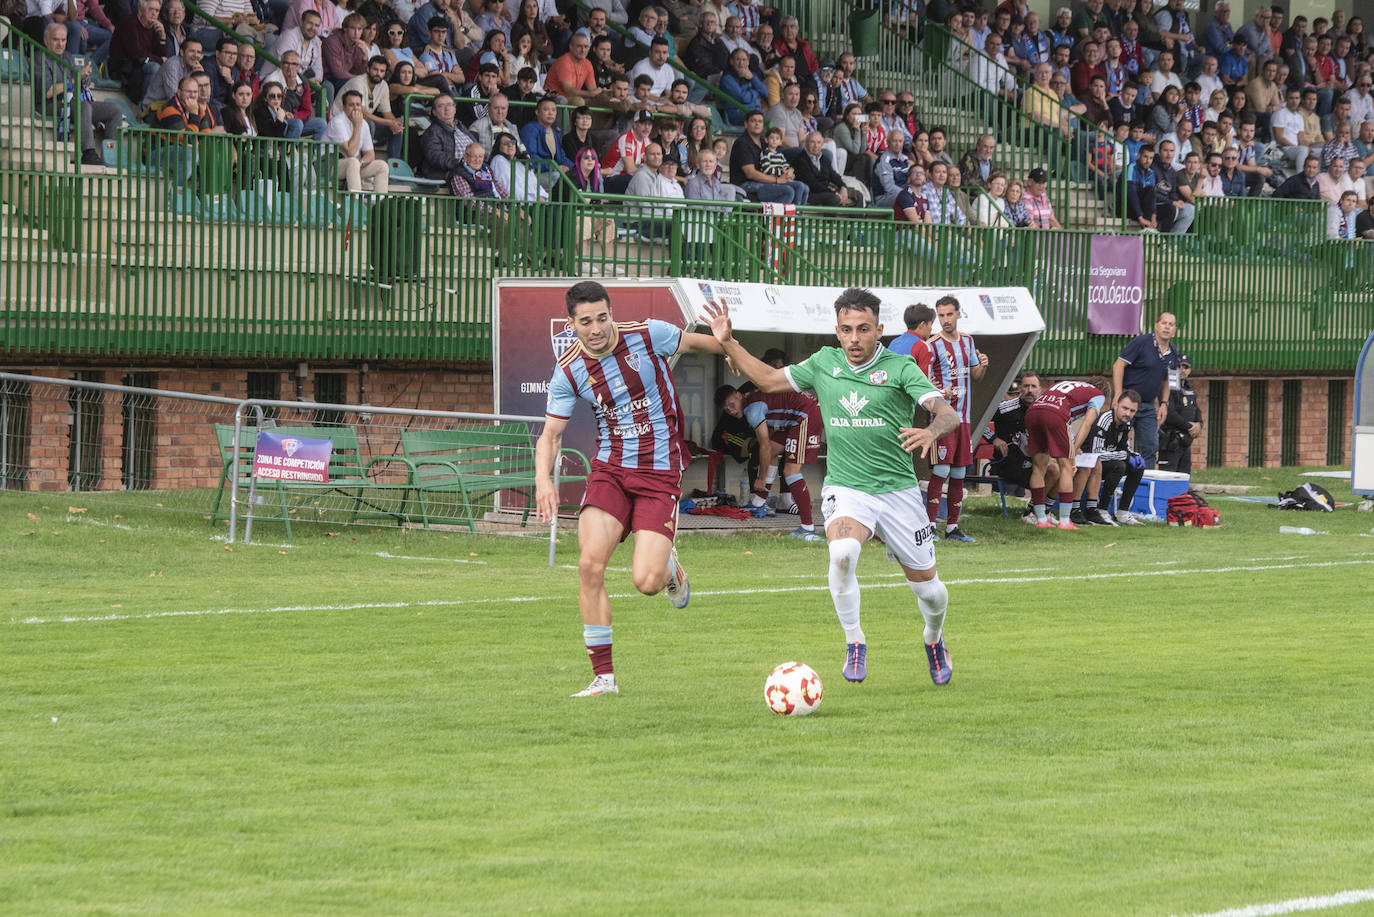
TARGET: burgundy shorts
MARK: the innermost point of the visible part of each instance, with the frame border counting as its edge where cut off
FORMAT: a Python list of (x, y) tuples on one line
[(641, 501), (1046, 432), (801, 442), (953, 449)]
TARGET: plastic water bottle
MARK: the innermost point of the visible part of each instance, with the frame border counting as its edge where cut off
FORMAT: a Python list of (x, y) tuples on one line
[(1296, 530)]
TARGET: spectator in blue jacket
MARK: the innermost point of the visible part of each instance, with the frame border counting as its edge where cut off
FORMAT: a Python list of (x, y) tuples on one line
[(744, 87), (1217, 38), (1140, 191), (544, 141), (1232, 178)]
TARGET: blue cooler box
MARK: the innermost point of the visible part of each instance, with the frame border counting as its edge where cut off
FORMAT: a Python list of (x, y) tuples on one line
[(1156, 487)]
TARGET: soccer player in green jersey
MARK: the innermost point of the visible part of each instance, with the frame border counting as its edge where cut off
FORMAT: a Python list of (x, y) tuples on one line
[(868, 397)]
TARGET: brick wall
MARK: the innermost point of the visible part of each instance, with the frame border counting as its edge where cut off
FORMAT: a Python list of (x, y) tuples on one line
[(1313, 423), (184, 451)]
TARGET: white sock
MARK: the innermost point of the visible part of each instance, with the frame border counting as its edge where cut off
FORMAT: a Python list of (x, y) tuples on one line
[(844, 586), (933, 598), (756, 500)]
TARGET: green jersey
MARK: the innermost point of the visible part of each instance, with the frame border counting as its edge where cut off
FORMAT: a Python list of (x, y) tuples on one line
[(864, 407)]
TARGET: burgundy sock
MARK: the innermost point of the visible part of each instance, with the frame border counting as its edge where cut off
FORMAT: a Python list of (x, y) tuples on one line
[(933, 490), (803, 497), (1037, 496), (601, 659), (954, 502)]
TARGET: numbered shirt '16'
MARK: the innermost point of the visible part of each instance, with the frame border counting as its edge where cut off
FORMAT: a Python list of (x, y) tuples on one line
[(639, 420), (1068, 400), (864, 408)]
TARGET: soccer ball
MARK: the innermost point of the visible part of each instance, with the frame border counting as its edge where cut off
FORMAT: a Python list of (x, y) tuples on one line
[(792, 689)]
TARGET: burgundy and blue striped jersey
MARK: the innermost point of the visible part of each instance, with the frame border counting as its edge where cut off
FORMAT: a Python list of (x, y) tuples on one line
[(950, 369), (639, 420)]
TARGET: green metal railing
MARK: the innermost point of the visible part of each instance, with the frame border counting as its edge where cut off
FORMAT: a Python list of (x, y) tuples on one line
[(40, 107), (221, 246)]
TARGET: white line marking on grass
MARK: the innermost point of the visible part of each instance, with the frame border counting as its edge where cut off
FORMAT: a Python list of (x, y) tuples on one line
[(1294, 905), (255, 544), (437, 560), (106, 525), (451, 603)]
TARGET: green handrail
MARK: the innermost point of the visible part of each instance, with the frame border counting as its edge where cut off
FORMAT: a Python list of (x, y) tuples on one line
[(41, 134)]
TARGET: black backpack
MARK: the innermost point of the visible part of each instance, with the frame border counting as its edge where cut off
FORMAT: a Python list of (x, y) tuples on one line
[(1308, 496)]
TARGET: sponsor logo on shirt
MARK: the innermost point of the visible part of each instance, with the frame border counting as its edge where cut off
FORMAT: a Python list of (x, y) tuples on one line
[(853, 403)]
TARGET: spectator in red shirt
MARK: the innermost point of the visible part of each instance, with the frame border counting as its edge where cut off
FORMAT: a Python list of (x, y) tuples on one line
[(789, 41), (345, 54), (1038, 206), (1088, 66), (572, 75)]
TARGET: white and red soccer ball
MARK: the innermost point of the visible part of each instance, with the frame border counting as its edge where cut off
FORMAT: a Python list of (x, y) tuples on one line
[(792, 689)]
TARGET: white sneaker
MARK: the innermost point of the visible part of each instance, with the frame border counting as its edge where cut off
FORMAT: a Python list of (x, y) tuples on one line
[(679, 590), (601, 684), (1126, 517)]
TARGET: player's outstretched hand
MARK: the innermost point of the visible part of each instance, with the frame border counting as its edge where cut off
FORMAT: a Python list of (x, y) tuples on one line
[(916, 439), (545, 501), (717, 315)]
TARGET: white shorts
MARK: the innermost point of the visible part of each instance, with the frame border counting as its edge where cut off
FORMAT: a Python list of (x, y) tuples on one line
[(897, 517)]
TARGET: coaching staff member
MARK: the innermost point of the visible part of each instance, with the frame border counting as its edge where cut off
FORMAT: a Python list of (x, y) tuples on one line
[(1144, 366)]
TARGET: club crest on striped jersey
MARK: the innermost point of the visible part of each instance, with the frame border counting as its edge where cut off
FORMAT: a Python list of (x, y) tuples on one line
[(633, 361), (562, 335), (878, 376)]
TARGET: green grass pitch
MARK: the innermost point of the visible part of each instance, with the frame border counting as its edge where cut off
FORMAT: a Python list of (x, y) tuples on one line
[(1142, 721)]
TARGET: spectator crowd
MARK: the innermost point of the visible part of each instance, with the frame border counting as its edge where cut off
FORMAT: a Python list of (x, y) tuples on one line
[(1159, 109)]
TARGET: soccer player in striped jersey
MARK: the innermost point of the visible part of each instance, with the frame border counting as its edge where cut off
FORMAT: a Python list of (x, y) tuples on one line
[(621, 369), (868, 397), (956, 365), (1048, 435), (786, 423)]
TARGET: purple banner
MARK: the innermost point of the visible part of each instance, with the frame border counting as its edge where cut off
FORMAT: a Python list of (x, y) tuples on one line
[(1116, 284), (292, 458)]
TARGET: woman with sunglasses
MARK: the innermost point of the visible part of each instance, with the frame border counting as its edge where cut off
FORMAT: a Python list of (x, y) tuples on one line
[(270, 117), (397, 52), (586, 178)]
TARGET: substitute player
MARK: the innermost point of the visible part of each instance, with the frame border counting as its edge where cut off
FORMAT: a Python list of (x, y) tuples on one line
[(786, 424), (1048, 440), (919, 319), (868, 396), (955, 366), (621, 369)]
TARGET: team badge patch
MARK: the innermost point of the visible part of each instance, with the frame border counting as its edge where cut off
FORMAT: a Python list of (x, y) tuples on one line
[(941, 452), (878, 376), (633, 361), (562, 336)]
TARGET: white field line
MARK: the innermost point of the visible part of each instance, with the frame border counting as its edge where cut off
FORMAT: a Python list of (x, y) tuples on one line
[(97, 522), (440, 560), (1295, 905), (450, 603)]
